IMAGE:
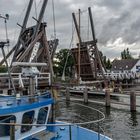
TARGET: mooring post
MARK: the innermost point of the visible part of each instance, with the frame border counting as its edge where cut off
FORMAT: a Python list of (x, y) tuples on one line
[(12, 130), (85, 94), (67, 94), (132, 101), (107, 98)]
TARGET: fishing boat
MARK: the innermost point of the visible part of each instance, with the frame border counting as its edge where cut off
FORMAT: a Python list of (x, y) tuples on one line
[(29, 117)]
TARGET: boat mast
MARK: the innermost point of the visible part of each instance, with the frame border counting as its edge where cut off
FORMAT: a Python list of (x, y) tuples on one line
[(2, 45)]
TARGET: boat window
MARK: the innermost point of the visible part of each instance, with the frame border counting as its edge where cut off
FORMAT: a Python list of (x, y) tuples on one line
[(42, 115), (5, 129), (28, 118)]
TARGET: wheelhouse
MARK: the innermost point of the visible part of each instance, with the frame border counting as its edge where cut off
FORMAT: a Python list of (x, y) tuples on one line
[(24, 112)]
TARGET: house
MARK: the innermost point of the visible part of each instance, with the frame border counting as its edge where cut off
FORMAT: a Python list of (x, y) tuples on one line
[(129, 68), (126, 65)]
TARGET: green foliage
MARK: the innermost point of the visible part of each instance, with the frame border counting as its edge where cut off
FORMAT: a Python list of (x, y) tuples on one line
[(125, 54), (3, 69), (60, 60), (106, 62)]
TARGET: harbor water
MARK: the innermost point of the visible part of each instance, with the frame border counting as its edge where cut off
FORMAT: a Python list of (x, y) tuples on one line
[(119, 123)]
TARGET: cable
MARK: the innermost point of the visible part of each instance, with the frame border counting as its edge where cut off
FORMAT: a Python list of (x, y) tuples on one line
[(5, 21), (54, 25), (88, 29), (35, 8), (65, 124), (63, 74), (7, 38)]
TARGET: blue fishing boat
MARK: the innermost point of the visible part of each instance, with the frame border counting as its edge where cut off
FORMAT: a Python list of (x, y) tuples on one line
[(30, 117)]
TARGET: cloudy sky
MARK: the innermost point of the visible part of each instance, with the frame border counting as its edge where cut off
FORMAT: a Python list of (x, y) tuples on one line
[(117, 22)]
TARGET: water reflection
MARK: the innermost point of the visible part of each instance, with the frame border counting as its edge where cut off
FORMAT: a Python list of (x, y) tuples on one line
[(133, 118), (107, 111)]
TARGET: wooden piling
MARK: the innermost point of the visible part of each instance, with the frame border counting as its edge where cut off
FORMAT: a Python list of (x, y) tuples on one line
[(12, 130), (107, 98), (85, 94), (132, 101), (67, 94)]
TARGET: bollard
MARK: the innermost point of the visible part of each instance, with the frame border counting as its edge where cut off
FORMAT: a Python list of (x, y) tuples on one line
[(132, 101), (85, 93), (12, 130), (67, 94), (107, 98)]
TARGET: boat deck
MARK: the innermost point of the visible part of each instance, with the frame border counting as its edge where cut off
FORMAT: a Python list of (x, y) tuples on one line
[(77, 133), (72, 133)]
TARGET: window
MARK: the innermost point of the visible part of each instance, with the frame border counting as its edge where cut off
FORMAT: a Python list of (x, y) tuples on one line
[(28, 118), (42, 115), (5, 129)]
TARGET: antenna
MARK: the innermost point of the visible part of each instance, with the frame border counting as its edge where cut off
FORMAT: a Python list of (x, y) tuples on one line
[(6, 17)]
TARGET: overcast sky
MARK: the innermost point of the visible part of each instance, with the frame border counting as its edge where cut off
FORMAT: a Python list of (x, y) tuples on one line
[(117, 22)]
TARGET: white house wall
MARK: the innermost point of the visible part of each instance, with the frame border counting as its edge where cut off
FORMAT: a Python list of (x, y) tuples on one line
[(134, 68)]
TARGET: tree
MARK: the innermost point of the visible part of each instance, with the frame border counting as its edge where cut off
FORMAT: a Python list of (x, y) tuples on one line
[(60, 60), (125, 54), (3, 69), (106, 62)]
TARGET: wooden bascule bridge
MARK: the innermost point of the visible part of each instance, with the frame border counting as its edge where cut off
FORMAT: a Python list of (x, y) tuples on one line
[(87, 57), (88, 62)]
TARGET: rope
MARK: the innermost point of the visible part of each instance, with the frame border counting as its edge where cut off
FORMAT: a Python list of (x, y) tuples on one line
[(14, 36), (6, 30), (70, 46), (7, 37), (67, 124), (13, 98)]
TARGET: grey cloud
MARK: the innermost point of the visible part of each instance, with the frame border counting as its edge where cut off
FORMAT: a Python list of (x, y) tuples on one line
[(112, 19), (114, 28), (112, 4)]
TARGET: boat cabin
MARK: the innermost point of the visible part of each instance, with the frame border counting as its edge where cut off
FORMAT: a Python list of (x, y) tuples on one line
[(23, 111)]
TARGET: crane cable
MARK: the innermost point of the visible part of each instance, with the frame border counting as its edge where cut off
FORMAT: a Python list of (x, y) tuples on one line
[(35, 8), (63, 74), (6, 32), (88, 33), (54, 25)]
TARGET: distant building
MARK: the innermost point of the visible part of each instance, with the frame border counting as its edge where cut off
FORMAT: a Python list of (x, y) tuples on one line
[(125, 69), (126, 65)]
